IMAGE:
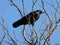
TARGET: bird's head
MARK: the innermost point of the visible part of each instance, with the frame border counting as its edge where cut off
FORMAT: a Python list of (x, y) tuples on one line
[(39, 12)]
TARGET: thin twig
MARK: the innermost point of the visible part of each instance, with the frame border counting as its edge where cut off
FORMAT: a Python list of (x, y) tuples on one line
[(33, 3), (24, 35), (51, 32), (13, 4), (23, 7), (45, 10)]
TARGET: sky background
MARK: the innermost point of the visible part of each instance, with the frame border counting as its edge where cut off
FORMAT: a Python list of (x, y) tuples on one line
[(11, 15)]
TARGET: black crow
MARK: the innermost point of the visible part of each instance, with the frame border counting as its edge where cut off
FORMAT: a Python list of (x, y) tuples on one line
[(28, 19)]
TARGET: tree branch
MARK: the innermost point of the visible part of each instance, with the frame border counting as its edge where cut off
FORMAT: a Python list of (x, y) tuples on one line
[(13, 4)]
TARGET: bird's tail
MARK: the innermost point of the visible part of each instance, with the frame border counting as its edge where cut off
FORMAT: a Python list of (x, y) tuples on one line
[(17, 23)]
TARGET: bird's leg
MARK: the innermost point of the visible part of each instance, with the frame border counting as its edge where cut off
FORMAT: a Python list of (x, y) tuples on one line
[(32, 26)]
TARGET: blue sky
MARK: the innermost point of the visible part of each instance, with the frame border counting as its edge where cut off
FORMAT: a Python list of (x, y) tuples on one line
[(11, 15)]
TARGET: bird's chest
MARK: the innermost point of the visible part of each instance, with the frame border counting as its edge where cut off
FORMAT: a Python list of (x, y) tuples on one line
[(34, 18)]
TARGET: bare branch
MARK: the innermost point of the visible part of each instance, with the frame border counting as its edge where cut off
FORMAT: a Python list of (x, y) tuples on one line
[(3, 25), (51, 32), (8, 42), (13, 4), (23, 7), (33, 3), (24, 35), (6, 30), (45, 10), (14, 42)]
